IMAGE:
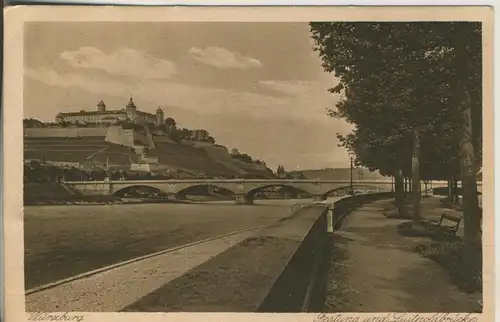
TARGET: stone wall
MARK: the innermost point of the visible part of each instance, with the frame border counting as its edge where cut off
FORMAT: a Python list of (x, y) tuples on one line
[(112, 134), (118, 135), (94, 188), (270, 271), (72, 132)]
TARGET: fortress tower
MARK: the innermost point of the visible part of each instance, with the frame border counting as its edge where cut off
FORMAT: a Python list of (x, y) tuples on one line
[(131, 109), (159, 117), (101, 107)]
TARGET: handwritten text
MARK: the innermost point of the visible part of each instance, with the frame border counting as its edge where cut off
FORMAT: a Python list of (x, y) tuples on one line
[(38, 316)]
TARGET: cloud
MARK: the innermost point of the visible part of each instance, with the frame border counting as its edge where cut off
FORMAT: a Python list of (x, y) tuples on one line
[(310, 105), (223, 58), (290, 130), (66, 80), (293, 88), (128, 62)]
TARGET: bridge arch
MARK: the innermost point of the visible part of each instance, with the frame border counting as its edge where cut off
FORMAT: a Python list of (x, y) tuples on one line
[(141, 189), (357, 187), (209, 188), (252, 193)]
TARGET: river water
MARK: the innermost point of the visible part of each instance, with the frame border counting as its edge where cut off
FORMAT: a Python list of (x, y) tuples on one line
[(66, 240)]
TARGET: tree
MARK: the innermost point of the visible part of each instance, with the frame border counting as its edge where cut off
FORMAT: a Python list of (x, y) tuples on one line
[(403, 85), (235, 152), (32, 123), (280, 171), (170, 122), (97, 174), (170, 125)]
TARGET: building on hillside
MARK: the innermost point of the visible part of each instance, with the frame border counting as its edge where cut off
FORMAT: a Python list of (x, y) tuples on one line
[(200, 135), (103, 116)]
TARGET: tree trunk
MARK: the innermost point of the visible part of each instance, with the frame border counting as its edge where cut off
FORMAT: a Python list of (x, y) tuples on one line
[(472, 223), (415, 180), (425, 187), (399, 192), (450, 191), (455, 191), (471, 212)]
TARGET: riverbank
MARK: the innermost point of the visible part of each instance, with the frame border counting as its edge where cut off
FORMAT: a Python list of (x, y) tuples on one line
[(53, 194), (104, 202)]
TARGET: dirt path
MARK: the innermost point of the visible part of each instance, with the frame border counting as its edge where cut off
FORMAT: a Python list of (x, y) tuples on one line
[(375, 269)]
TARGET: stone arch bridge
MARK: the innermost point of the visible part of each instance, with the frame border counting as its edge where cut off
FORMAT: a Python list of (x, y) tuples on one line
[(244, 190)]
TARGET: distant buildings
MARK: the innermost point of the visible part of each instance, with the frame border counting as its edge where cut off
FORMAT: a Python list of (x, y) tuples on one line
[(200, 135), (103, 116)]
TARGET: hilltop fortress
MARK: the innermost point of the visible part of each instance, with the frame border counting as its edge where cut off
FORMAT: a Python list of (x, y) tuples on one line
[(131, 140), (101, 116)]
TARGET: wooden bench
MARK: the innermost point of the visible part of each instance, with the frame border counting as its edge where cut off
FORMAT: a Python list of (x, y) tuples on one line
[(442, 226)]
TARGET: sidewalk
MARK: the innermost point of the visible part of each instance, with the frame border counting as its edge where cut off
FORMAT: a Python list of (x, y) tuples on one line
[(375, 269)]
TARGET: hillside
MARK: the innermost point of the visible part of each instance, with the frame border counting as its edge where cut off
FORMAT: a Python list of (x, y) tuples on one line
[(341, 174), (187, 158), (87, 151), (120, 150), (221, 155)]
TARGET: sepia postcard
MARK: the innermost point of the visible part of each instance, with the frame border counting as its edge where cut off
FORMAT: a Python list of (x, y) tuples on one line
[(253, 163)]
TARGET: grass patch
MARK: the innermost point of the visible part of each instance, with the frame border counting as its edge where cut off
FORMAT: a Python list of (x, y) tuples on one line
[(406, 229), (392, 212), (463, 264)]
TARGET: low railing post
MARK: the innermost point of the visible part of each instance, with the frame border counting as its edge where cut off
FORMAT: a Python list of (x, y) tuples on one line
[(329, 218)]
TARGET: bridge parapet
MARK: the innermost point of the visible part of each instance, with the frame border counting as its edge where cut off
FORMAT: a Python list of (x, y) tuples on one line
[(243, 189)]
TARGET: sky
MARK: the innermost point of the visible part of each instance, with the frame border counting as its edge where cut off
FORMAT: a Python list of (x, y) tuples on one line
[(257, 87)]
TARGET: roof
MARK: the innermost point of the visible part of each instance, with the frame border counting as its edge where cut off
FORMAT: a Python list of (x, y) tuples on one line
[(89, 113), (144, 113)]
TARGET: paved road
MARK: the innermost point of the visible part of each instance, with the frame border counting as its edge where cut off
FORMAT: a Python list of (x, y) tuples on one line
[(64, 241)]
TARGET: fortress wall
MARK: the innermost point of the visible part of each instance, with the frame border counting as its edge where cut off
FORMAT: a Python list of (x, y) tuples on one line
[(92, 131), (112, 134), (65, 132), (118, 135)]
